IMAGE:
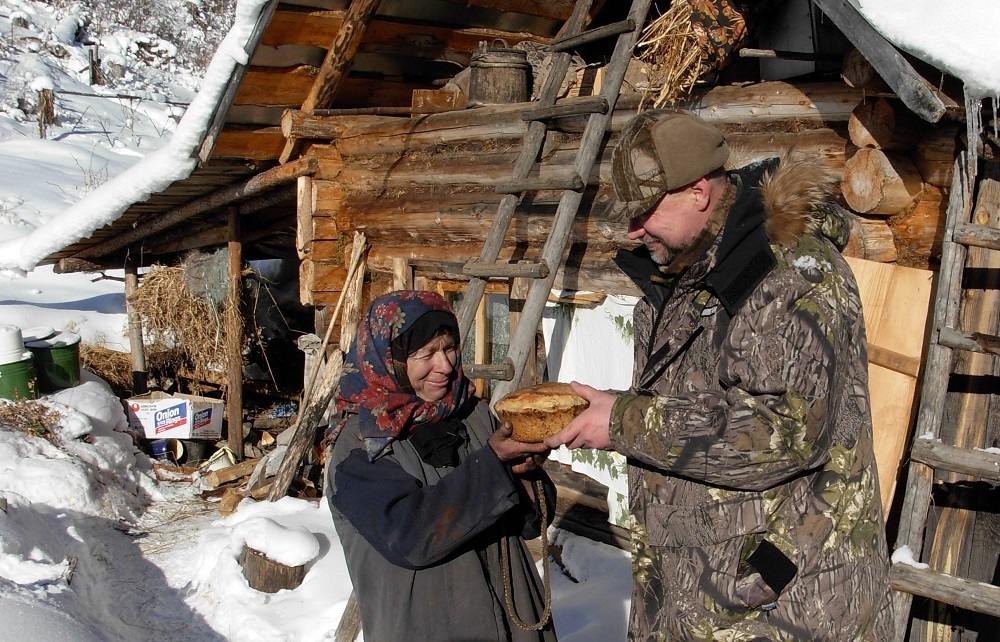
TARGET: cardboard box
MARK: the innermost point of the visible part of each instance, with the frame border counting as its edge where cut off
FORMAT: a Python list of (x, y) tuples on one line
[(163, 416)]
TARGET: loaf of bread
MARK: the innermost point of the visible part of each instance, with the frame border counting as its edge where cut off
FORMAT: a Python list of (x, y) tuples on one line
[(540, 411)]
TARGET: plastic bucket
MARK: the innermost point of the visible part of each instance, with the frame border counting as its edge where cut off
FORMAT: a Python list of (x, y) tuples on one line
[(17, 379), (57, 361)]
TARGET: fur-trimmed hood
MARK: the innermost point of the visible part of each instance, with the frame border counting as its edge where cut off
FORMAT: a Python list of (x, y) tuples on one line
[(797, 196)]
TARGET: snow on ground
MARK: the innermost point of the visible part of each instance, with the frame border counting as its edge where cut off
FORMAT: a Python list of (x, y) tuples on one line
[(93, 546)]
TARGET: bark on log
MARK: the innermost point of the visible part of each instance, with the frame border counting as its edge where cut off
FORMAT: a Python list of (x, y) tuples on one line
[(918, 231), (877, 183), (266, 575), (883, 124), (871, 239), (934, 154)]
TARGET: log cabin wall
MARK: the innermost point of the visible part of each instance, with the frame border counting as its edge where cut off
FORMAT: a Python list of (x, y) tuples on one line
[(423, 187)]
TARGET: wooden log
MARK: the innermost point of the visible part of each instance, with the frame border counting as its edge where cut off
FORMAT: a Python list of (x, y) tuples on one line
[(266, 575), (216, 478), (858, 73), (876, 183), (775, 105), (883, 124), (487, 163), (934, 154), (319, 27), (918, 231), (871, 239)]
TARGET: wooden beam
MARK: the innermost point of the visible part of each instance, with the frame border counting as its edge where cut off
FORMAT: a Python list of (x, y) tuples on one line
[(260, 183), (337, 63), (234, 337), (915, 92), (552, 9)]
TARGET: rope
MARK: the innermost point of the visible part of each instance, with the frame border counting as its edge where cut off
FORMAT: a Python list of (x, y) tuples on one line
[(505, 565)]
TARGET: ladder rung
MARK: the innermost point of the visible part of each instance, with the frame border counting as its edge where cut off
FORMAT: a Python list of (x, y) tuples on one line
[(524, 269), (977, 236), (964, 461), (949, 589), (574, 183), (501, 371), (970, 341), (607, 31), (589, 105)]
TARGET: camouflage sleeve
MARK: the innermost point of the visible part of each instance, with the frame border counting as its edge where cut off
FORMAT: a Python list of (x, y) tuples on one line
[(769, 419)]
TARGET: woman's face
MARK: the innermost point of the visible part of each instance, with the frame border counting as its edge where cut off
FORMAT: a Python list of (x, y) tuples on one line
[(431, 369)]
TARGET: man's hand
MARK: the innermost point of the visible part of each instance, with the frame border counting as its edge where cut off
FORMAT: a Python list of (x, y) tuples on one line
[(592, 429), (521, 456)]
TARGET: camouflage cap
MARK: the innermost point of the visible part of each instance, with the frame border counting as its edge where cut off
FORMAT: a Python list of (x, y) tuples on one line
[(660, 151)]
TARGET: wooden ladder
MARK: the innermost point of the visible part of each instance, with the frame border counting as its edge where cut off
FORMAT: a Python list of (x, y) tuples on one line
[(543, 272), (928, 454)]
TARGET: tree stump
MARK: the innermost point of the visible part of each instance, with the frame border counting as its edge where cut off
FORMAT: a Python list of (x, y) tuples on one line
[(267, 575)]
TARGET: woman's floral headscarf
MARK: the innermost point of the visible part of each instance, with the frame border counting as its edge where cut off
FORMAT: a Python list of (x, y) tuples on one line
[(369, 386)]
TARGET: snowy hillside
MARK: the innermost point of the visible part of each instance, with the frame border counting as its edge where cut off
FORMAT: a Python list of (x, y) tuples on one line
[(120, 73)]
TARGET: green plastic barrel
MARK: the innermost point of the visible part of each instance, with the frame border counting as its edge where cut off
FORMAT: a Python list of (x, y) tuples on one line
[(17, 380), (57, 361)]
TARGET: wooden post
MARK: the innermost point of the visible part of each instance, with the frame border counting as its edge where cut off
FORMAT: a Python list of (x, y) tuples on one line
[(518, 293), (140, 383), (46, 111), (234, 338), (317, 399), (481, 350)]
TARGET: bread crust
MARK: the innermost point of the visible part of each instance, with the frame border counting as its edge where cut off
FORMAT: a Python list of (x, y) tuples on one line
[(540, 411)]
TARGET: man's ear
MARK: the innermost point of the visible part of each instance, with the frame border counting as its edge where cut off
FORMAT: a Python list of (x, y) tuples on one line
[(701, 190)]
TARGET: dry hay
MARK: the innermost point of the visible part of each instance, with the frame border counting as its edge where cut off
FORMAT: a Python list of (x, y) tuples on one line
[(672, 54), (173, 320), (112, 366), (116, 367)]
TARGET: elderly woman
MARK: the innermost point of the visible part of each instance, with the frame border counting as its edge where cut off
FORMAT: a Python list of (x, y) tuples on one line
[(431, 499)]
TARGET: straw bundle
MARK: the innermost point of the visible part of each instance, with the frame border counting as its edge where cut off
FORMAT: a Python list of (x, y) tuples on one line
[(173, 319), (693, 39), (671, 53)]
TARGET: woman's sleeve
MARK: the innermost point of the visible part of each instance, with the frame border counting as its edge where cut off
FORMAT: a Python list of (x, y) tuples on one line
[(413, 525)]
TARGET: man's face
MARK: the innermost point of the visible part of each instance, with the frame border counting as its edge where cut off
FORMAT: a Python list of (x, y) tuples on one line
[(673, 224)]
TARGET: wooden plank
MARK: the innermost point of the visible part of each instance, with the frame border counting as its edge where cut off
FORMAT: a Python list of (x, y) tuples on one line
[(288, 87), (216, 478), (895, 302), (319, 28)]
